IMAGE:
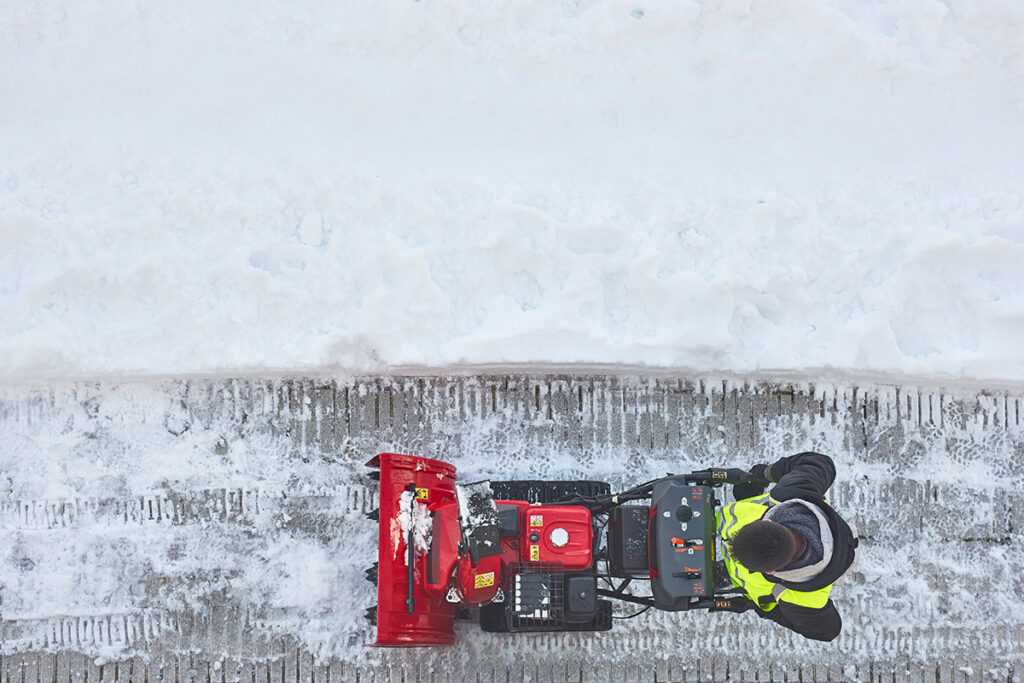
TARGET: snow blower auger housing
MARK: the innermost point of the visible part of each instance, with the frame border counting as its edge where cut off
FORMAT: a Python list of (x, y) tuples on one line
[(527, 556)]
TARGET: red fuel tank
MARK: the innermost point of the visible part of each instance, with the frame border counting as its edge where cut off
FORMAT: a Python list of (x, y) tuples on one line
[(556, 533)]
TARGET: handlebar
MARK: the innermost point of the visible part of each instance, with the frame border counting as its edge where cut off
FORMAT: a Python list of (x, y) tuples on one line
[(732, 475), (711, 477)]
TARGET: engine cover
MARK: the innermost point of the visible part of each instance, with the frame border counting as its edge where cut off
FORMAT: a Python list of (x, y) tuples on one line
[(556, 534)]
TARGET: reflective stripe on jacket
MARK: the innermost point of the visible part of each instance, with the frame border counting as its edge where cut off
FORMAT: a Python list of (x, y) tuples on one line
[(765, 593)]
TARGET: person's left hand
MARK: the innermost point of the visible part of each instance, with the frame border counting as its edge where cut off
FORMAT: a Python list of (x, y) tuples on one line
[(752, 486)]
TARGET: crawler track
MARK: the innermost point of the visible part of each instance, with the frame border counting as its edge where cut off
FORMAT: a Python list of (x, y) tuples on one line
[(215, 530)]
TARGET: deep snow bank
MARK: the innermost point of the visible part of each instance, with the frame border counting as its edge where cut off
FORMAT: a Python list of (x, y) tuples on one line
[(715, 186)]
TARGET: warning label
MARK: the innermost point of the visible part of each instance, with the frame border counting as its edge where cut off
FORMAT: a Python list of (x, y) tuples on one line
[(484, 580), (536, 520), (422, 494), (534, 553)]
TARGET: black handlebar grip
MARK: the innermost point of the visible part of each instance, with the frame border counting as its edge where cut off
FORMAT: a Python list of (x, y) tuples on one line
[(733, 475)]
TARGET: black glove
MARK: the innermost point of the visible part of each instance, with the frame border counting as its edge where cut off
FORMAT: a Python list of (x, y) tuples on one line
[(733, 604), (753, 485), (759, 473)]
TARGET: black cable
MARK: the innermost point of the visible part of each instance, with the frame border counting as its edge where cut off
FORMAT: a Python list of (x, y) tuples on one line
[(604, 503), (634, 614), (608, 580)]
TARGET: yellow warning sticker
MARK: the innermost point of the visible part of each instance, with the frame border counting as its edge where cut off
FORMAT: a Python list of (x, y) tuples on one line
[(534, 553), (536, 520), (422, 494), (484, 580)]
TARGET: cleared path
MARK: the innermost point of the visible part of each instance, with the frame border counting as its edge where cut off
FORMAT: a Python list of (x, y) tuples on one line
[(215, 530)]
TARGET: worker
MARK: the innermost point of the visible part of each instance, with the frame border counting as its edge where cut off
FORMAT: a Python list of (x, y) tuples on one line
[(786, 549)]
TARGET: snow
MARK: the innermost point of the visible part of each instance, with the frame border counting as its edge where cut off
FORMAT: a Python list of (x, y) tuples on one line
[(411, 515), (275, 531), (825, 192), (761, 188)]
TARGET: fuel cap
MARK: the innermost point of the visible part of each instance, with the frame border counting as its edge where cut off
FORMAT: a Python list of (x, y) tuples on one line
[(559, 537)]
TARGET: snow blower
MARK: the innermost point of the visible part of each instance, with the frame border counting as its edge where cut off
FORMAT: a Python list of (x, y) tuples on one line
[(529, 556)]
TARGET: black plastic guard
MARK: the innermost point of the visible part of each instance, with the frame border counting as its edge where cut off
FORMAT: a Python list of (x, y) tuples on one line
[(478, 517), (547, 492), (628, 542)]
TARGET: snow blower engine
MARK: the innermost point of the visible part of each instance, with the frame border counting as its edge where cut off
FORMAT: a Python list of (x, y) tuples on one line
[(528, 556)]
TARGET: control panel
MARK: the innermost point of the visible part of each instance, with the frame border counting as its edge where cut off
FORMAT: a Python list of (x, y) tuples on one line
[(681, 543)]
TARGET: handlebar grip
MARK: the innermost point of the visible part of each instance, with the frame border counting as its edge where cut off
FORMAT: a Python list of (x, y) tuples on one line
[(732, 604), (732, 475)]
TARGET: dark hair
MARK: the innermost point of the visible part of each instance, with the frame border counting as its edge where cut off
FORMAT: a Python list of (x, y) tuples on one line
[(763, 546)]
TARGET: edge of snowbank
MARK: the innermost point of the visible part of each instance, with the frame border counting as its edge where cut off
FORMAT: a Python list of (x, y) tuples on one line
[(805, 378)]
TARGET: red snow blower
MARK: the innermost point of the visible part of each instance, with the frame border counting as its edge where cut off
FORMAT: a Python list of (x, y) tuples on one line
[(528, 556)]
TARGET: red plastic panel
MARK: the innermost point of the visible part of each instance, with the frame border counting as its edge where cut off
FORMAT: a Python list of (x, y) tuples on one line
[(479, 583), (432, 620)]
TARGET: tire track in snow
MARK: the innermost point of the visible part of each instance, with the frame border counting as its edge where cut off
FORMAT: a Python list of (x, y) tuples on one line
[(918, 469)]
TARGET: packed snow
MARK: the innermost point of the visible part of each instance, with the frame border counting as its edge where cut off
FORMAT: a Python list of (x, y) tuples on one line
[(804, 188), (272, 534), (412, 517)]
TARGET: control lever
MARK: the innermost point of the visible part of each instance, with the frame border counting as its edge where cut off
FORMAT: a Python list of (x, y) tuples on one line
[(691, 575)]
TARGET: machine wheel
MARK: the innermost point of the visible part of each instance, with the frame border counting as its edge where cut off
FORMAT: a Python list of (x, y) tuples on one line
[(547, 492)]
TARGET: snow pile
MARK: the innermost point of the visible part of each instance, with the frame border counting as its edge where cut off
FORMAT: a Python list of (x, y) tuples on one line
[(703, 186), (412, 517)]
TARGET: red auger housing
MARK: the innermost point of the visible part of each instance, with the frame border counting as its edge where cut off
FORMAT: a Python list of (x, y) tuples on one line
[(528, 554)]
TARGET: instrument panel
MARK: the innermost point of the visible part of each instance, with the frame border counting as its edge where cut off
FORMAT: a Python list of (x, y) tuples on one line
[(682, 543)]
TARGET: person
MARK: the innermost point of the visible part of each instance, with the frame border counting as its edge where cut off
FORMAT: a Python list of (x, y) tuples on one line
[(786, 549)]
